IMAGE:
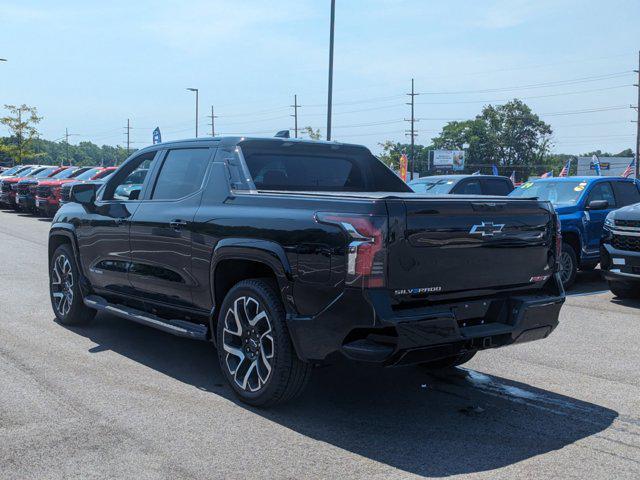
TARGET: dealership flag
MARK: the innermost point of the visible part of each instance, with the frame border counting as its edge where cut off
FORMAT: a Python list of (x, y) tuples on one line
[(596, 164), (404, 161), (513, 177), (565, 170), (547, 174), (629, 170), (495, 170), (157, 138)]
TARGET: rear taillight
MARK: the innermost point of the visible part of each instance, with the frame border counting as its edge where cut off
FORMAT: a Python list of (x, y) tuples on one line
[(366, 253)]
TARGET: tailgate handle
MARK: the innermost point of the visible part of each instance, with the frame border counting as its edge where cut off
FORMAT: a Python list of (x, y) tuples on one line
[(488, 206)]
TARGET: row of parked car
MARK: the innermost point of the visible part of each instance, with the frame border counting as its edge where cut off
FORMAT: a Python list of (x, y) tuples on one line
[(43, 189), (600, 219)]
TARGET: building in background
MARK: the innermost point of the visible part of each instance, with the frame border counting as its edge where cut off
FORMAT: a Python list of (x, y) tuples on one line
[(609, 166)]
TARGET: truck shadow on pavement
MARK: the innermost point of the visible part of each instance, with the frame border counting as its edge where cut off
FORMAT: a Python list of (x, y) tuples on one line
[(433, 424)]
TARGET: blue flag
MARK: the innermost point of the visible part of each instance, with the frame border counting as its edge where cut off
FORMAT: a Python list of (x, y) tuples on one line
[(157, 138), (495, 170)]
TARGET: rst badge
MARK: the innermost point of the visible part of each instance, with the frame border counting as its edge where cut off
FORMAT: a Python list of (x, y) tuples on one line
[(487, 229)]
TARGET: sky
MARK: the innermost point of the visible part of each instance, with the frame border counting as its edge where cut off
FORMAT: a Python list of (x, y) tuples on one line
[(90, 66)]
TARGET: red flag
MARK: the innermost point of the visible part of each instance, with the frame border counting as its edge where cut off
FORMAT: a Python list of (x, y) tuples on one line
[(629, 170)]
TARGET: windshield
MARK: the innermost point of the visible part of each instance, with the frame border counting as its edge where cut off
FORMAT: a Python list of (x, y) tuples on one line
[(66, 173), (13, 170), (88, 174), (440, 186), (556, 192), (46, 172)]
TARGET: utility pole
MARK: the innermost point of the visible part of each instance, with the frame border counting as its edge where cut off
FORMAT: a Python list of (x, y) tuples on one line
[(128, 131), (330, 93), (638, 121), (412, 133), (295, 115), (213, 122)]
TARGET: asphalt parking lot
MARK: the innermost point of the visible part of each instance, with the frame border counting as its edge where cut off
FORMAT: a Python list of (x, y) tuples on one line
[(118, 400)]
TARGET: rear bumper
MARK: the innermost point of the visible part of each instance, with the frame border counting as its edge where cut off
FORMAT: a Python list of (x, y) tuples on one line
[(367, 328), (620, 265)]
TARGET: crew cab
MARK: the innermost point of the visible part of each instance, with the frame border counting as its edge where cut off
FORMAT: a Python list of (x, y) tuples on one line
[(463, 185), (582, 204), (287, 253), (620, 251)]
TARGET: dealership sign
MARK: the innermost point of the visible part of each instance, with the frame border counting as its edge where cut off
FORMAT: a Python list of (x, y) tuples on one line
[(448, 159)]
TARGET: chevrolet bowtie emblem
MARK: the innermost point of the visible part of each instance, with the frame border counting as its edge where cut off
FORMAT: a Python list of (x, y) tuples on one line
[(487, 229)]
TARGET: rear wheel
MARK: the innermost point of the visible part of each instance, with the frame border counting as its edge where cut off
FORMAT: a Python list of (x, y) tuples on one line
[(568, 265), (254, 348), (449, 362), (624, 290), (66, 297)]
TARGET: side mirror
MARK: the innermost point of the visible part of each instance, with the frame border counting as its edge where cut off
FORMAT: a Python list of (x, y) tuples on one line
[(84, 193), (598, 205)]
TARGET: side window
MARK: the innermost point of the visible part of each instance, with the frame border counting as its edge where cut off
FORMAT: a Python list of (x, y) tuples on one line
[(468, 187), (627, 193), (127, 183), (495, 186), (602, 191), (182, 173)]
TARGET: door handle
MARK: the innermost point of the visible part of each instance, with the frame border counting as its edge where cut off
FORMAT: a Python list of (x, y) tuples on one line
[(177, 224)]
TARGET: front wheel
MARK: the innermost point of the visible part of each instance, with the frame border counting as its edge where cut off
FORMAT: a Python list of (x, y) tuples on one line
[(568, 265), (64, 288), (254, 348)]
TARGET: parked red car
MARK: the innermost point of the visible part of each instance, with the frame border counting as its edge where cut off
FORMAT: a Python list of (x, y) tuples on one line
[(48, 193), (9, 186)]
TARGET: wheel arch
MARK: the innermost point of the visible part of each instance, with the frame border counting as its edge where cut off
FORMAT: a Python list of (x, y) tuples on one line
[(237, 259), (573, 238), (64, 233)]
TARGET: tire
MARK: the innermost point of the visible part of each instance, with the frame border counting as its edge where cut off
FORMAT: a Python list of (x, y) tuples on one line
[(568, 265), (64, 289), (257, 357), (448, 362), (624, 290)]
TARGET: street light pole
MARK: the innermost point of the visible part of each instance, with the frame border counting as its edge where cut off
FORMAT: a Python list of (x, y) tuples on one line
[(330, 93), (195, 90)]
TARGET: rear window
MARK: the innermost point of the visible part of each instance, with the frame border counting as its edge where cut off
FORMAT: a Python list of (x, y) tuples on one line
[(46, 172), (496, 186), (66, 173), (626, 193), (292, 166)]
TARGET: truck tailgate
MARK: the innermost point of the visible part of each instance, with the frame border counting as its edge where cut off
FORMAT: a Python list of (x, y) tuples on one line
[(448, 245)]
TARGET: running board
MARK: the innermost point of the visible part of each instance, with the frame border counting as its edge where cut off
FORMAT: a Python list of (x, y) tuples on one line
[(181, 328)]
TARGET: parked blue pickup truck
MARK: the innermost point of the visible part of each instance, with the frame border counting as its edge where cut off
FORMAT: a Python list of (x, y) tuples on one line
[(582, 204)]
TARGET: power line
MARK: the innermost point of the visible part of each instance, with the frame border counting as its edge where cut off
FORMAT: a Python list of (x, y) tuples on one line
[(213, 122), (594, 78)]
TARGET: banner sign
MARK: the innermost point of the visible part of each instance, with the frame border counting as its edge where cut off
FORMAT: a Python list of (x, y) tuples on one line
[(448, 159), (403, 167), (157, 138)]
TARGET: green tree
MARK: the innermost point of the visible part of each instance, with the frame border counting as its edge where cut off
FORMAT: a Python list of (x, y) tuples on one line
[(508, 135), (391, 152), (21, 123), (311, 133)]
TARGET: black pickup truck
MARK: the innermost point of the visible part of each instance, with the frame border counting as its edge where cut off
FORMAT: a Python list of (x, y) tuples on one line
[(286, 253)]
